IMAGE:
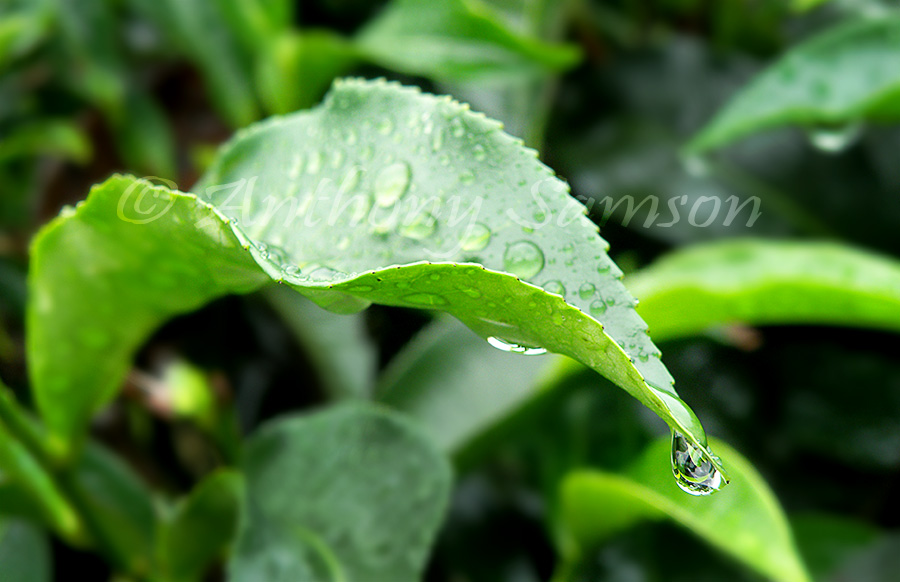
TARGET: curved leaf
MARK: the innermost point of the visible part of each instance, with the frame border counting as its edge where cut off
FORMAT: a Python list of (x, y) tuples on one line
[(350, 493), (456, 40), (281, 210), (843, 76), (743, 520), (767, 282)]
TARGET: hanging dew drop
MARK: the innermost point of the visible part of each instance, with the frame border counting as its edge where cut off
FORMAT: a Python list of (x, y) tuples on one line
[(506, 346), (693, 467), (834, 140)]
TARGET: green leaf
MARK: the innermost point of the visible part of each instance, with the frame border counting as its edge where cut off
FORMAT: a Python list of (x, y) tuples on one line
[(493, 215), (201, 526), (456, 387), (761, 282), (23, 25), (119, 507), (844, 76), (743, 520), (56, 137), (24, 553), (337, 346), (25, 472), (294, 69), (456, 40), (255, 22), (350, 493)]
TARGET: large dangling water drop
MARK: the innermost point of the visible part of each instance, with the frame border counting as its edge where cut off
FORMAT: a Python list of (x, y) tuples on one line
[(515, 348), (693, 467)]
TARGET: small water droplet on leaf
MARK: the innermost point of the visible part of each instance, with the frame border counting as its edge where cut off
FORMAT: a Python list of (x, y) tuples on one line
[(523, 259)]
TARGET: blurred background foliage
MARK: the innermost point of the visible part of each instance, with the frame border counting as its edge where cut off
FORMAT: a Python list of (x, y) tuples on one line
[(609, 91)]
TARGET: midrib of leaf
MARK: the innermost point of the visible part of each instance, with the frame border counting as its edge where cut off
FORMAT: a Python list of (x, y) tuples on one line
[(362, 130)]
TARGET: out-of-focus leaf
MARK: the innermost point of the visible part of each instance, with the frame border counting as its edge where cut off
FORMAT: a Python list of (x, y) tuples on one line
[(256, 22), (827, 542), (455, 385), (23, 25), (119, 506), (23, 470), (456, 40), (199, 30), (202, 525), (294, 69), (838, 79), (24, 553), (767, 282), (879, 563), (337, 344), (207, 250), (144, 137), (56, 137), (743, 520), (350, 493)]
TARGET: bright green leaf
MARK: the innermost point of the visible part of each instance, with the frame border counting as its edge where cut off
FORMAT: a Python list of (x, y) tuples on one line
[(838, 79), (350, 493), (767, 282), (743, 520), (456, 40), (201, 526), (24, 553), (23, 25), (429, 180)]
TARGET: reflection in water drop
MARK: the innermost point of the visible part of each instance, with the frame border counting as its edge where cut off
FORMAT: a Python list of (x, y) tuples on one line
[(506, 346), (836, 139), (693, 467)]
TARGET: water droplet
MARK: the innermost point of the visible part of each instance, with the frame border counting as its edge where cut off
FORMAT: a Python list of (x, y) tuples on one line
[(385, 126), (324, 274), (421, 227), (586, 291), (506, 346), (598, 308), (523, 259), (444, 160), (315, 162), (693, 467), (427, 299), (835, 139), (476, 237), (466, 177), (456, 127), (337, 158), (437, 141), (351, 137), (392, 183), (478, 153), (603, 268), (555, 287)]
